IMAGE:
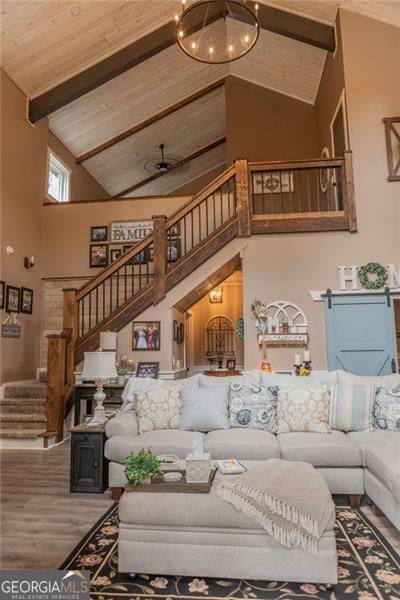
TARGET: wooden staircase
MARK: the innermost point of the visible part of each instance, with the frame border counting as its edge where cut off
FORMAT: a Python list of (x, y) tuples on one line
[(23, 411), (248, 198)]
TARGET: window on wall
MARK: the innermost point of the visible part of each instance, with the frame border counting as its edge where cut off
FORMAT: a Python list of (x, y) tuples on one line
[(58, 179)]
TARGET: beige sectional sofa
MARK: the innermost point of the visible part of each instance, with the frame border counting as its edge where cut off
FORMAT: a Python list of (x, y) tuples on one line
[(352, 463)]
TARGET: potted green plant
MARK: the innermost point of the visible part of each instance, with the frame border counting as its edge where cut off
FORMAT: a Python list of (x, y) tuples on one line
[(142, 467)]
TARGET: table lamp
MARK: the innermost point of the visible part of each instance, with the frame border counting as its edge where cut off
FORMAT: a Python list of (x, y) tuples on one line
[(99, 366)]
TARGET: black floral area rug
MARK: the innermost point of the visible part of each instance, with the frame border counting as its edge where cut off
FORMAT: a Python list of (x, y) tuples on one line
[(369, 569)]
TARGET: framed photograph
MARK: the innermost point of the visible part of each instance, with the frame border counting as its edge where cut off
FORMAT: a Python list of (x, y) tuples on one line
[(13, 295), (148, 369), (142, 258), (231, 364), (175, 330), (2, 294), (146, 335), (115, 254), (129, 231), (181, 333), (26, 305), (99, 233), (98, 255)]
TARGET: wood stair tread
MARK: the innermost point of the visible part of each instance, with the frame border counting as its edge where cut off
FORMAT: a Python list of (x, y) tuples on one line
[(22, 433), (26, 417)]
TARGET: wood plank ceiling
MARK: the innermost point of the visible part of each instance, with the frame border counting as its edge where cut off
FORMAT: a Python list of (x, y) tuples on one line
[(47, 42)]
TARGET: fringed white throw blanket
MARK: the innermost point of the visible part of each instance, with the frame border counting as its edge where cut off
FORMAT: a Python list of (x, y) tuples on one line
[(290, 500)]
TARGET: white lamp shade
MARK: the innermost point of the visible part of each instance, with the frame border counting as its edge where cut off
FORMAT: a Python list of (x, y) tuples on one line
[(108, 340), (99, 365)]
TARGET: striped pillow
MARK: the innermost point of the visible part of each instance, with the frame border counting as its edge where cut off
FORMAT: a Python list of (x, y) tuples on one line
[(351, 407)]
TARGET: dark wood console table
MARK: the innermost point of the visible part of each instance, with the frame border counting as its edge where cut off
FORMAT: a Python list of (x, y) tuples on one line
[(85, 391), (221, 373)]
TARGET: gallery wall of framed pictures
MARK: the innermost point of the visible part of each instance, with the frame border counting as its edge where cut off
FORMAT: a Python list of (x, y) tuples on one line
[(15, 299), (109, 242)]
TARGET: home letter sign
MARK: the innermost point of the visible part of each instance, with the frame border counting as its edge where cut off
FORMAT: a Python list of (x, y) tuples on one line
[(351, 278)]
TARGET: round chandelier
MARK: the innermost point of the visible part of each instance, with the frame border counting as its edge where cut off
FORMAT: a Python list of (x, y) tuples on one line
[(217, 31)]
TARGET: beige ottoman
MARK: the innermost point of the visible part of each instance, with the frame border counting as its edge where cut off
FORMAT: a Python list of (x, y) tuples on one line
[(200, 535)]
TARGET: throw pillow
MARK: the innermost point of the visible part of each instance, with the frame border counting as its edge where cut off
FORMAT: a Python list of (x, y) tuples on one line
[(303, 410), (204, 409), (253, 406), (386, 409), (133, 385), (351, 407), (159, 408), (208, 381)]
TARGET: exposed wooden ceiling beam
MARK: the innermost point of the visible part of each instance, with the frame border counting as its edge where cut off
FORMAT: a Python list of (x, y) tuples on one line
[(180, 163), (297, 27), (151, 120), (272, 19)]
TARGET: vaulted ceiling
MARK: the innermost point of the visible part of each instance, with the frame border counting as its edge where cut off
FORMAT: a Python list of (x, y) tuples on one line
[(54, 50)]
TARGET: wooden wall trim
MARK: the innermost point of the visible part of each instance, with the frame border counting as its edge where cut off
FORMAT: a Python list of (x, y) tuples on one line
[(187, 197)]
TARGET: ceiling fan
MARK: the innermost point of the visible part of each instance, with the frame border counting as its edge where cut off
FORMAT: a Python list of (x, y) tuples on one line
[(162, 164)]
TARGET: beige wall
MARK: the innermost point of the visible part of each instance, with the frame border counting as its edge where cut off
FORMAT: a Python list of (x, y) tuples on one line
[(329, 92), (286, 267), (196, 185), (263, 125), (23, 189), (231, 307), (66, 229)]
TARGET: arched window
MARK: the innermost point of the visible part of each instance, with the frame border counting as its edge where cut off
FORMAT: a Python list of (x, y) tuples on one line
[(220, 337)]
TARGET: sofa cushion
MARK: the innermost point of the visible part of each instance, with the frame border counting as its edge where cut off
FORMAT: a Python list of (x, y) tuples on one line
[(386, 409), (253, 406), (303, 409), (368, 439), (384, 463), (286, 380), (386, 380), (351, 407), (243, 444), (334, 450), (204, 409), (171, 441)]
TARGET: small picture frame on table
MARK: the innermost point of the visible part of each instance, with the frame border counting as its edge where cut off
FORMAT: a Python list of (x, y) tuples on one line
[(13, 295), (230, 364), (148, 369), (98, 256), (2, 294), (26, 302), (99, 233)]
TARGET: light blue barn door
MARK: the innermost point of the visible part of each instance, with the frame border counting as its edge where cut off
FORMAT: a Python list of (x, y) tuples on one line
[(361, 334)]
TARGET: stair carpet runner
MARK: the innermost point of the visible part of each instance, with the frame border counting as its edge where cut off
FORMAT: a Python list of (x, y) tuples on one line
[(23, 411)]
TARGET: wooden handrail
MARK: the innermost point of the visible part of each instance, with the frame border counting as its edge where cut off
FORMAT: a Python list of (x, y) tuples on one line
[(114, 267), (315, 163), (200, 196)]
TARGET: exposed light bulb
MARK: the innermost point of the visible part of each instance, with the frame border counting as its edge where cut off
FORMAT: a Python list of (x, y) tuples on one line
[(176, 18), (246, 39), (211, 50), (194, 45), (183, 2), (181, 33), (230, 48), (256, 6)]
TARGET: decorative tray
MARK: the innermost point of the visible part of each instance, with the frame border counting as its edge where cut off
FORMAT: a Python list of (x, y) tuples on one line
[(174, 487)]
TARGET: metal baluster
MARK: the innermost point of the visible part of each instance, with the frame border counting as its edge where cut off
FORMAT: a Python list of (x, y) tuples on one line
[(97, 304), (229, 198), (125, 284), (318, 199), (104, 299), (271, 179), (308, 191), (214, 215), (83, 316), (200, 205), (280, 191), (207, 216), (117, 288), (221, 204), (140, 271), (90, 311), (298, 192), (192, 226), (111, 299), (291, 192), (234, 194)]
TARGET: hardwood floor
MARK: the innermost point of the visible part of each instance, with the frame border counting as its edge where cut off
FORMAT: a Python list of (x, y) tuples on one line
[(41, 522)]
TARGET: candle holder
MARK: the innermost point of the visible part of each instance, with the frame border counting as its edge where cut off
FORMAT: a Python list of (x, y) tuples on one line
[(307, 364), (297, 370)]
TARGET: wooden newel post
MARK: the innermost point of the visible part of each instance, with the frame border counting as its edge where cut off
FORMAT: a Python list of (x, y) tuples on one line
[(243, 197), (56, 354), (160, 257), (350, 204), (70, 322)]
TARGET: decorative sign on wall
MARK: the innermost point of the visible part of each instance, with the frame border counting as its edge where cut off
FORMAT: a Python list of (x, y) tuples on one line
[(371, 276), (273, 183), (280, 323), (129, 231), (392, 132)]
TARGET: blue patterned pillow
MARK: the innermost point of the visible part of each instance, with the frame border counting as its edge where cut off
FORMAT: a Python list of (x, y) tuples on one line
[(253, 406), (386, 409)]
